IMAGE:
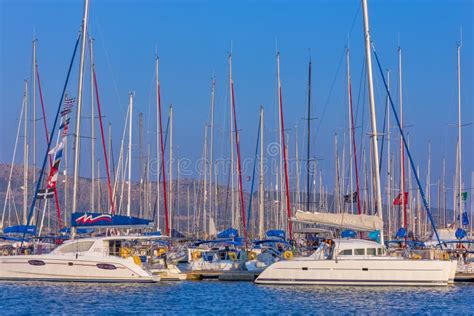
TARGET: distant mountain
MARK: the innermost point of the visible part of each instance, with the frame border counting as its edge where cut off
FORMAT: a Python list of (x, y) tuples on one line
[(186, 210)]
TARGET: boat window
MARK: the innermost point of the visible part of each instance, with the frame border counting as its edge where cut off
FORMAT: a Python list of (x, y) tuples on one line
[(345, 252), (371, 251), (76, 247), (359, 252), (379, 251)]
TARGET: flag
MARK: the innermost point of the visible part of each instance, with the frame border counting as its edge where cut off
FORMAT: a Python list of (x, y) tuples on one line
[(399, 200), (65, 112), (45, 194), (465, 218), (56, 148), (463, 196), (69, 101), (65, 123), (350, 198)]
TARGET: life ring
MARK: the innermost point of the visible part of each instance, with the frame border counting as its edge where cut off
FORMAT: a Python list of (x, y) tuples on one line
[(288, 255), (252, 255), (232, 256), (196, 254)]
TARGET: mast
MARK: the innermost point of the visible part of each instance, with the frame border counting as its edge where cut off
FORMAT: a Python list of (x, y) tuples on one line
[(402, 149), (25, 154), (389, 162), (261, 214), (237, 148), (162, 146), (77, 140), (211, 153), (92, 125), (308, 149), (234, 214), (129, 197), (171, 169), (285, 162), (375, 147), (459, 162), (352, 134), (34, 109), (204, 207), (140, 164)]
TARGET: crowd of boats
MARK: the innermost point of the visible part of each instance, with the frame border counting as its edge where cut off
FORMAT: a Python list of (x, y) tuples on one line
[(123, 249), (319, 248)]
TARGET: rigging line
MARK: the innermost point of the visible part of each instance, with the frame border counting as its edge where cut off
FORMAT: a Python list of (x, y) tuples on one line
[(383, 134), (337, 71), (9, 192), (56, 200), (253, 172), (40, 178), (410, 158), (99, 112)]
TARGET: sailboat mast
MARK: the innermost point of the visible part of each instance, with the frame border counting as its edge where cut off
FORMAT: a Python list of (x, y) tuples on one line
[(211, 152), (261, 214), (402, 149), (91, 53), (285, 162), (352, 133), (162, 146), (204, 207), (171, 170), (308, 149), (459, 196), (77, 139), (34, 109), (389, 161), (237, 148), (25, 154), (375, 147), (129, 196)]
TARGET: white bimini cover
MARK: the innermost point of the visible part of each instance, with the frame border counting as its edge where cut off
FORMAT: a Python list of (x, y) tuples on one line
[(350, 221)]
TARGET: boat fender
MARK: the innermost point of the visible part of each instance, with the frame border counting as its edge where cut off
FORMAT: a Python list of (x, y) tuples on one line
[(288, 255), (196, 254), (137, 260), (125, 252), (416, 256), (232, 256)]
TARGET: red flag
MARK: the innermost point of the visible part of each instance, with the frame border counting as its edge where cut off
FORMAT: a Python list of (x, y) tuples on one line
[(399, 200)]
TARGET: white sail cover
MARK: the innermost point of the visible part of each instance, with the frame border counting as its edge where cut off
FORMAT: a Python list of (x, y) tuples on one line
[(212, 227), (349, 221)]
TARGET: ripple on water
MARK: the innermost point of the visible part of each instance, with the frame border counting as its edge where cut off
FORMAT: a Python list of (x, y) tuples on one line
[(214, 297)]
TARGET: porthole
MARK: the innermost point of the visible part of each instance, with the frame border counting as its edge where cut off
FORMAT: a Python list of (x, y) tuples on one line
[(106, 266)]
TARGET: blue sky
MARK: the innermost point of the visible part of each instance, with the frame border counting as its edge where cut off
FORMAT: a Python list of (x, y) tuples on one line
[(193, 39)]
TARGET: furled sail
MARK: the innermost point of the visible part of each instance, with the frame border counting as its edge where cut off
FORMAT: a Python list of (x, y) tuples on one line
[(350, 221)]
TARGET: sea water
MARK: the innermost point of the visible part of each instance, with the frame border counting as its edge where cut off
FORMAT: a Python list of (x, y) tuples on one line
[(217, 297)]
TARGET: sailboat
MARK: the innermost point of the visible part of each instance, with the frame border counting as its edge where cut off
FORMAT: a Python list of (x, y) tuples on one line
[(341, 261)]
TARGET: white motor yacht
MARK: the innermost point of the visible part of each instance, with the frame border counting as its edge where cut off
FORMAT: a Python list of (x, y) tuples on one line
[(358, 262), (100, 259)]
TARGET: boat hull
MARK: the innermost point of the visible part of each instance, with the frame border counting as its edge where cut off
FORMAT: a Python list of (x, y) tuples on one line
[(72, 269), (365, 272)]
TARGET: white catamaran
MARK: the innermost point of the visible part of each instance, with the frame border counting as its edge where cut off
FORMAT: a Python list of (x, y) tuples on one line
[(101, 259), (356, 261)]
